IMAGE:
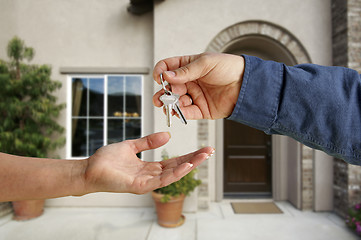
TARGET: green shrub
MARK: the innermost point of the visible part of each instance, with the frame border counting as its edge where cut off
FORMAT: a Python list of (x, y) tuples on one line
[(28, 108)]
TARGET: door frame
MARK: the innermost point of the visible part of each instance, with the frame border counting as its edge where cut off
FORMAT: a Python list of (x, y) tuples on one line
[(286, 163), (281, 190)]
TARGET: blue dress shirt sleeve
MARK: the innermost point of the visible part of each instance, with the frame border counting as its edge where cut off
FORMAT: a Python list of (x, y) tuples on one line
[(318, 106)]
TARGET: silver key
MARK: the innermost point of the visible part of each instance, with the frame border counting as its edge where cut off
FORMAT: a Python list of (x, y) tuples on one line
[(168, 101), (178, 111)]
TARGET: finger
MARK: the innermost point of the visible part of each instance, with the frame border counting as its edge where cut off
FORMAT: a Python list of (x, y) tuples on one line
[(198, 159), (179, 89), (192, 112), (200, 107), (181, 166), (173, 175), (174, 162), (193, 71), (191, 94), (185, 101), (156, 96), (171, 64), (152, 141), (180, 171)]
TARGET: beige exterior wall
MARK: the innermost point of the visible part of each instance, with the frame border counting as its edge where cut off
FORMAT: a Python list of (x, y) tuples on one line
[(81, 33), (94, 33), (84, 33), (191, 25)]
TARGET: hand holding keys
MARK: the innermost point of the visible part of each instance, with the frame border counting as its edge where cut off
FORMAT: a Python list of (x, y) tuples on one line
[(170, 102)]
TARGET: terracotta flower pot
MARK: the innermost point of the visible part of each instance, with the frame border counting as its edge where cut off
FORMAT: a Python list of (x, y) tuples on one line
[(169, 213), (28, 209)]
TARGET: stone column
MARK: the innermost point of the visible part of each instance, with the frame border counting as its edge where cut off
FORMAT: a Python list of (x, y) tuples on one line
[(346, 36)]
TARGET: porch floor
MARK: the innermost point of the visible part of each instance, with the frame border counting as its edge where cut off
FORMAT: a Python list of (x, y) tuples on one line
[(219, 222)]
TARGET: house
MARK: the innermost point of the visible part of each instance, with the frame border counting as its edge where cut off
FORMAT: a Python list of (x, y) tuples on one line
[(104, 52)]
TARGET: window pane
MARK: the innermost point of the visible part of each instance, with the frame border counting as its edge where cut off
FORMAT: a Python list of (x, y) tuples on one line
[(79, 96), (133, 96), (115, 130), (79, 148), (132, 128), (96, 96), (96, 138), (124, 97), (115, 96)]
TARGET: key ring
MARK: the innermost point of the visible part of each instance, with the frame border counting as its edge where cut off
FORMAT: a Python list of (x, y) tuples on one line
[(163, 85)]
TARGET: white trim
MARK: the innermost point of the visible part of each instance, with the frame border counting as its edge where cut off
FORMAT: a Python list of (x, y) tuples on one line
[(104, 70), (279, 168), (220, 160), (322, 182), (105, 111), (105, 116), (279, 164), (142, 111), (69, 107), (124, 105), (142, 107), (87, 117)]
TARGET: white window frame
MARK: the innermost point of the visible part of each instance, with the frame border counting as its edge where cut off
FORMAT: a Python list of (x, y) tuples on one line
[(105, 115)]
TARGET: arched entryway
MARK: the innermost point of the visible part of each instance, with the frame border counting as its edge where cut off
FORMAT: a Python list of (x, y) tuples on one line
[(249, 162)]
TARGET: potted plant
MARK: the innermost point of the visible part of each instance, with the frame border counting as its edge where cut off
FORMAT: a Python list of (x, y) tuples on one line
[(353, 220), (27, 113), (169, 199)]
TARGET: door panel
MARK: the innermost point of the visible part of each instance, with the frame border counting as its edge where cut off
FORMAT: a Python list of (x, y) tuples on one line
[(247, 156)]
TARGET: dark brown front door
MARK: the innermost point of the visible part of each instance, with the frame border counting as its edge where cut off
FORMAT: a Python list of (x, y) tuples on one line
[(247, 160)]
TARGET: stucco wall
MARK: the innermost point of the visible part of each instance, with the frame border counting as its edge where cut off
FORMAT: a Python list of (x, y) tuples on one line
[(84, 33), (188, 26), (93, 33), (81, 33)]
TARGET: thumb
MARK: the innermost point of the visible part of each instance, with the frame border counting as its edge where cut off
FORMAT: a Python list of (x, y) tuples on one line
[(151, 141), (187, 73)]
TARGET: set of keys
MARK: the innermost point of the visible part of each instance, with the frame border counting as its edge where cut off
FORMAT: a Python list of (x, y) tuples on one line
[(171, 102)]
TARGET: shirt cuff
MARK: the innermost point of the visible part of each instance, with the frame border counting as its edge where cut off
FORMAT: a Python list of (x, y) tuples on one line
[(258, 100)]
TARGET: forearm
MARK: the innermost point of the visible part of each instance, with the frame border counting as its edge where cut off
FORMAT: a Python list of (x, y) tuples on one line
[(25, 178), (316, 105)]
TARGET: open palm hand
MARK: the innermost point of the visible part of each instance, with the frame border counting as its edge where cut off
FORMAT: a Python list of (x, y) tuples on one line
[(116, 167)]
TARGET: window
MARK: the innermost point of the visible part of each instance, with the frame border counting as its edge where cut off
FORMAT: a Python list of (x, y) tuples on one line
[(103, 110)]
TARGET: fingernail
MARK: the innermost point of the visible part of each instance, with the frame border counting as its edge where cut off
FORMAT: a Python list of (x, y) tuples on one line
[(170, 73), (212, 153), (169, 134), (189, 166)]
